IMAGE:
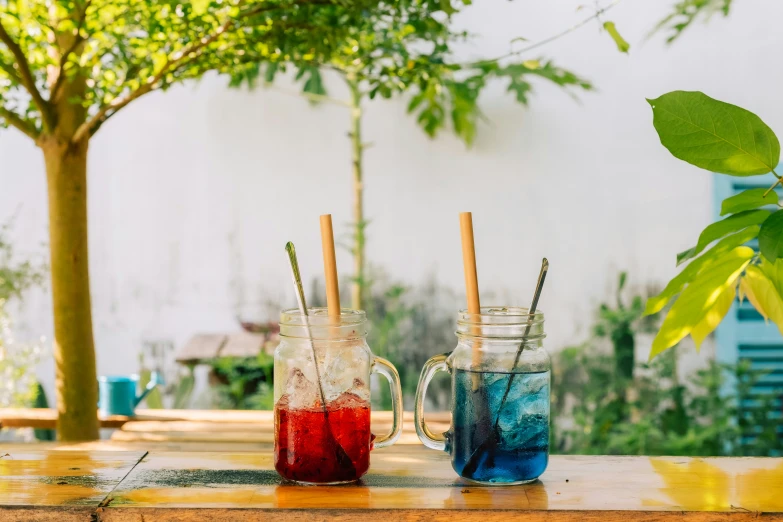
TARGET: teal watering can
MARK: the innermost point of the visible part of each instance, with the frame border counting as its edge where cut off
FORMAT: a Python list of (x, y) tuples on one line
[(117, 394)]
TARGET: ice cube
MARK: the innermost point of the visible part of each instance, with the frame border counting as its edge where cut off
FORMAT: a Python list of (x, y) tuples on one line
[(534, 382), (530, 431), (301, 391), (528, 397), (349, 401), (338, 376)]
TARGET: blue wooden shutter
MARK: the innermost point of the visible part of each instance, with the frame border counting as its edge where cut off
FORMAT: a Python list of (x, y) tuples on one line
[(744, 334)]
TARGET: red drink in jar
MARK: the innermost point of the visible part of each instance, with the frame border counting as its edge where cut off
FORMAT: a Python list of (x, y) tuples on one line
[(324, 360), (306, 442)]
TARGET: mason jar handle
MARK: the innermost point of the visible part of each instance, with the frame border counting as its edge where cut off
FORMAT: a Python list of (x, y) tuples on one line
[(387, 369), (436, 364)]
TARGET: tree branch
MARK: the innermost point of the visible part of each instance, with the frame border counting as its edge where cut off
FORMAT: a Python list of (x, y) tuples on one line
[(778, 182), (27, 78), (600, 11), (89, 127), (23, 125), (64, 58), (11, 72)]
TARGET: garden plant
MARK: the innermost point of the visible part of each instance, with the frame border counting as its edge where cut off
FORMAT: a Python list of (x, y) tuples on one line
[(18, 384), (604, 403)]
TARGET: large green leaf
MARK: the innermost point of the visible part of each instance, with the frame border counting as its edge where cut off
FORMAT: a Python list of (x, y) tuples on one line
[(721, 228), (699, 297), (763, 295), (714, 135), (714, 316), (771, 237), (656, 304), (748, 200)]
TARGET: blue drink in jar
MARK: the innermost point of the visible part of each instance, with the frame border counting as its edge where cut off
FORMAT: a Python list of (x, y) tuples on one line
[(518, 450)]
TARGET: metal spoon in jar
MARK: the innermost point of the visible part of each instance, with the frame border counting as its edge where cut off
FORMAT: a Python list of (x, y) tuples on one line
[(343, 460)]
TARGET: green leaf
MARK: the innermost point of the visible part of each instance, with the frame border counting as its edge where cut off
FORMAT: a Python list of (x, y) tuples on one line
[(714, 135), (447, 8), (721, 228), (699, 297), (622, 45), (771, 237), (763, 295), (314, 83), (270, 72), (675, 286), (416, 101), (748, 200), (774, 272), (714, 316), (199, 6)]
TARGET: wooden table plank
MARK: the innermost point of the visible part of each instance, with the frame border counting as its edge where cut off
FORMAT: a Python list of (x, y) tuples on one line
[(49, 485), (415, 483), (46, 418)]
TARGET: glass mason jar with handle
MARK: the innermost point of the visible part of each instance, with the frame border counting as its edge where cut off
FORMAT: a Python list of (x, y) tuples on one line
[(322, 433), (499, 430)]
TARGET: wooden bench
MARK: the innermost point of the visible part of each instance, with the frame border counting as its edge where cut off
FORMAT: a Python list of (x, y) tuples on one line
[(202, 348)]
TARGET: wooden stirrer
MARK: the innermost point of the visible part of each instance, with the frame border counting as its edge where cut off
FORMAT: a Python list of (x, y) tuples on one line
[(330, 267), (333, 308), (483, 417), (471, 274)]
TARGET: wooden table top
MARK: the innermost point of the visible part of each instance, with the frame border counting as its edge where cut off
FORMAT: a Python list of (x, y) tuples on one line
[(408, 483)]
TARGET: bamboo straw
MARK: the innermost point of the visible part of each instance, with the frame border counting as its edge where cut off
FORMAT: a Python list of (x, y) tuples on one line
[(330, 267), (471, 274)]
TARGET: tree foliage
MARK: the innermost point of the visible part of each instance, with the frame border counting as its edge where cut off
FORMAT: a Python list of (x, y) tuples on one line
[(721, 137), (412, 50), (686, 12), (67, 66), (123, 49)]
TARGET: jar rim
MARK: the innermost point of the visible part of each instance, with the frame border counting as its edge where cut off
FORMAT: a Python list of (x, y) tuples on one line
[(318, 325), (319, 316), (501, 316)]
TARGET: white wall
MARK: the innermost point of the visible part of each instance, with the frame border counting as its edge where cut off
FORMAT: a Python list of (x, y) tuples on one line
[(194, 192)]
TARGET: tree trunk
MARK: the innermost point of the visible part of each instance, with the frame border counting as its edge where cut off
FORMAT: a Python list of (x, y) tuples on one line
[(74, 350), (357, 148)]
